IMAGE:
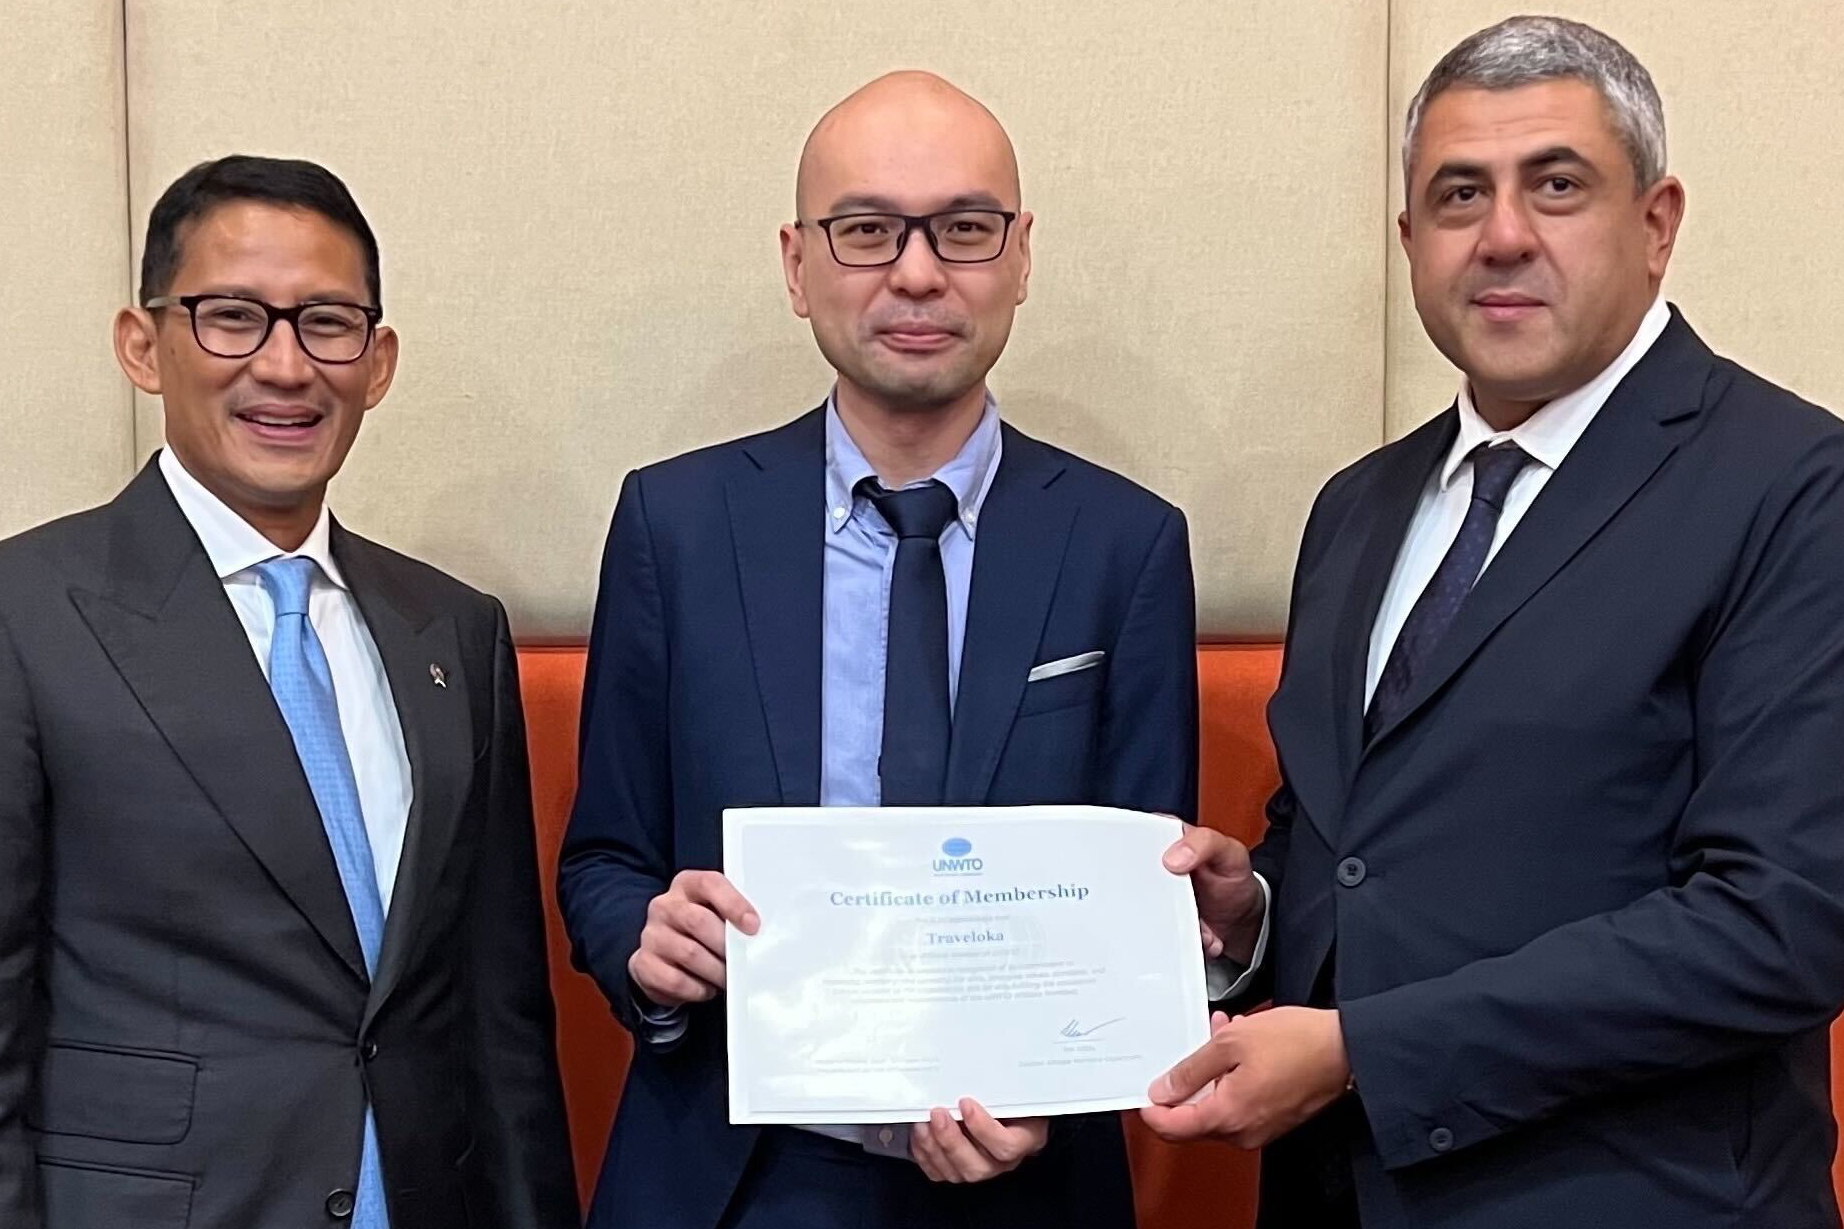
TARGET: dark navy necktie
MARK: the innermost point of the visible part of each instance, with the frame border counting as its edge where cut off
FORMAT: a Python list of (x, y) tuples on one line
[(913, 766), (1494, 470)]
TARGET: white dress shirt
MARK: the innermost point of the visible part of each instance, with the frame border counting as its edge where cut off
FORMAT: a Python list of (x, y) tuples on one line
[(367, 713), (1547, 436)]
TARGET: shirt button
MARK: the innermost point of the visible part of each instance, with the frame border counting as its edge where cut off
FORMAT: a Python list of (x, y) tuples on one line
[(838, 514), (1440, 1139), (339, 1204), (885, 1136), (1352, 871)]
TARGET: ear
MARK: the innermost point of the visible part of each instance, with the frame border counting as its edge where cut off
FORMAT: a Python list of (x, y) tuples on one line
[(1023, 226), (137, 348), (1402, 229), (793, 266), (1664, 213), (383, 365)]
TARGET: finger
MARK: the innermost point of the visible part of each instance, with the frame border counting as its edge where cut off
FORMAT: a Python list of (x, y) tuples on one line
[(712, 889), (1214, 1058), (925, 1143), (958, 1152), (1006, 1143), (1219, 1020), (1213, 942), (665, 985), (699, 923), (686, 954), (1176, 1123)]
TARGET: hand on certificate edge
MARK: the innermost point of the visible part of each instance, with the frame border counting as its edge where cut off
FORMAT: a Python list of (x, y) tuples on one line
[(681, 954), (977, 1147), (1229, 900), (1273, 1070)]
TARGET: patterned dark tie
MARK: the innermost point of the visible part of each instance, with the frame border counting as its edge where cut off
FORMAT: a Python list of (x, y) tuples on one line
[(1494, 470), (917, 720)]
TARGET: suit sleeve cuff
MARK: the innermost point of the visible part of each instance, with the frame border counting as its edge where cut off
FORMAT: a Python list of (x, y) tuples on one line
[(1225, 978)]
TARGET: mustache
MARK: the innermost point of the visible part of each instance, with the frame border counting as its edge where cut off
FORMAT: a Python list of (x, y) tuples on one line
[(246, 399)]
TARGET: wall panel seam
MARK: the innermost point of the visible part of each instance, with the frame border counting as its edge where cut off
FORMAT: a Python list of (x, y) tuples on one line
[(1389, 297), (128, 277)]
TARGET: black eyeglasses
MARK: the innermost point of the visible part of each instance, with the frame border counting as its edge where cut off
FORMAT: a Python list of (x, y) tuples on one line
[(957, 236), (231, 326)]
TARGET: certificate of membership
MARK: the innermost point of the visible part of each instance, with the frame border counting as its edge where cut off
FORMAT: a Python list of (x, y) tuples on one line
[(1040, 960)]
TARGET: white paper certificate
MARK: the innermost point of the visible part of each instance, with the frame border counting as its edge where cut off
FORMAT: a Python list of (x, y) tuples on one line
[(1040, 960)]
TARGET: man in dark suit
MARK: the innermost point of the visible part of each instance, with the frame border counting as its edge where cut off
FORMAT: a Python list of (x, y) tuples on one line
[(271, 950), (1557, 862), (1037, 612)]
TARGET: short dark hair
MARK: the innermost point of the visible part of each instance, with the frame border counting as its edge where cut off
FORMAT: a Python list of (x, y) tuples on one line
[(289, 182)]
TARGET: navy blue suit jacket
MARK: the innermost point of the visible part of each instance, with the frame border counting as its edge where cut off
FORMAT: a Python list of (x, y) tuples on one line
[(1587, 893), (703, 692)]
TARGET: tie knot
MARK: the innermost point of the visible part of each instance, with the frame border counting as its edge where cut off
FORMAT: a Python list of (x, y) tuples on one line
[(1495, 468), (914, 512), (287, 582)]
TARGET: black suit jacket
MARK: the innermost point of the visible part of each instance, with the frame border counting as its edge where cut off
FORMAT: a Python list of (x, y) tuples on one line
[(703, 692), (1587, 893), (187, 1033)]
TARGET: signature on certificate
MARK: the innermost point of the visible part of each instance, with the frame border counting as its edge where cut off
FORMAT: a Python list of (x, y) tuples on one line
[(1075, 1030)]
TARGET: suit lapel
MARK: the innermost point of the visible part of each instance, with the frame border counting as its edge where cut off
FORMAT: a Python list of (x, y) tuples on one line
[(776, 508), (174, 637), (1629, 440), (437, 734), (1024, 529), (1399, 485)]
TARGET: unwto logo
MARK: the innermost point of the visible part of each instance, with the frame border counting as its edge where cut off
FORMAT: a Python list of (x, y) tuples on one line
[(957, 858)]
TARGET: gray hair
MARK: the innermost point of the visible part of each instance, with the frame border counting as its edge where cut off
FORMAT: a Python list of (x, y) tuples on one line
[(1523, 51)]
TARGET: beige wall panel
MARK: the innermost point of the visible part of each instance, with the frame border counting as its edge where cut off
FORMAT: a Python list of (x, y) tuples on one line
[(66, 431), (578, 204), (1753, 107)]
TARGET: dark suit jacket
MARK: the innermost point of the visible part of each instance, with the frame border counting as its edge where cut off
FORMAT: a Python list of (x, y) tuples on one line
[(703, 693), (1588, 892), (187, 1034)]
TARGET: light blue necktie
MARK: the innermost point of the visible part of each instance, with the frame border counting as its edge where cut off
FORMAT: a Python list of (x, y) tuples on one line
[(303, 686)]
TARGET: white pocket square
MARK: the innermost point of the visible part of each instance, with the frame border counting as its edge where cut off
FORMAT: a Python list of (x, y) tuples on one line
[(1065, 665)]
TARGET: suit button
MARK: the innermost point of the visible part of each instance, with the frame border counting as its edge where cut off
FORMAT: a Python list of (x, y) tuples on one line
[(369, 1050), (339, 1204), (1351, 872), (1440, 1139)]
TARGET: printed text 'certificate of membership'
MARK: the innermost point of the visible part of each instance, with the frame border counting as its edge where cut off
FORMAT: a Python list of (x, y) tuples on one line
[(1040, 960)]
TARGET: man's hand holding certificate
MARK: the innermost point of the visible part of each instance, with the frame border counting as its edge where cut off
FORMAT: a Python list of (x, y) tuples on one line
[(1039, 960)]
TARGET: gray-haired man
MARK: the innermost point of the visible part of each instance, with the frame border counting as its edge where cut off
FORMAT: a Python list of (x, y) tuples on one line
[(1556, 865)]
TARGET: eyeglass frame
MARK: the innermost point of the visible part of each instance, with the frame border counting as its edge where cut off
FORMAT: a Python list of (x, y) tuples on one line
[(913, 222), (271, 314)]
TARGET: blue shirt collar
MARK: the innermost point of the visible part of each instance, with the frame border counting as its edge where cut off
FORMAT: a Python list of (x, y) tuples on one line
[(969, 474)]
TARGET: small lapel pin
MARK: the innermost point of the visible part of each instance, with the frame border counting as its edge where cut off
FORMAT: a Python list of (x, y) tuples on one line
[(437, 675)]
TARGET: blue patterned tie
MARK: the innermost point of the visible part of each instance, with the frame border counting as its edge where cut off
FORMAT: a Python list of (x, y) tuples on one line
[(303, 686), (1494, 470)]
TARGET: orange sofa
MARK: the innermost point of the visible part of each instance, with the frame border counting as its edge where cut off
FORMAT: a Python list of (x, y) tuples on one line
[(1196, 1186)]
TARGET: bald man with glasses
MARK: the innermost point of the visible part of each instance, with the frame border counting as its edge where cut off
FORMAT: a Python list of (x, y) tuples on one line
[(895, 599)]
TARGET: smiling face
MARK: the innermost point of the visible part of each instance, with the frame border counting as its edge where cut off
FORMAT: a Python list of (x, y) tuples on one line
[(1533, 252), (921, 333), (264, 433)]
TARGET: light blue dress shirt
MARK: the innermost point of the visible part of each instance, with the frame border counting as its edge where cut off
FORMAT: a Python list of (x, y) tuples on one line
[(860, 554)]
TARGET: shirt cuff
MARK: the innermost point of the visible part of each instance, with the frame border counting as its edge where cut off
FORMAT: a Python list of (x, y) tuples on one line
[(663, 1025), (1225, 978)]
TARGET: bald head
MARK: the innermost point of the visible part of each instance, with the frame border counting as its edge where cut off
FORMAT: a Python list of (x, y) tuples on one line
[(904, 120)]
